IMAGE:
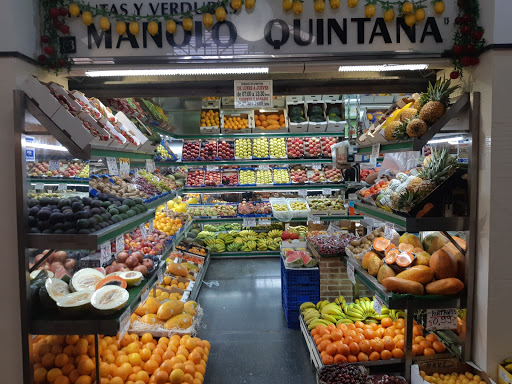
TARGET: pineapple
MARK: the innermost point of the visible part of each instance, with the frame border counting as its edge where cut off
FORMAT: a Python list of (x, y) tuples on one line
[(408, 114), (435, 101), (417, 104), (426, 187), (426, 161), (390, 130), (416, 128), (407, 200), (414, 183), (438, 169), (400, 132)]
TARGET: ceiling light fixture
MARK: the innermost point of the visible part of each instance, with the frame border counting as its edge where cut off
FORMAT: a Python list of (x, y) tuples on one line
[(449, 140), (178, 72), (50, 147), (382, 68)]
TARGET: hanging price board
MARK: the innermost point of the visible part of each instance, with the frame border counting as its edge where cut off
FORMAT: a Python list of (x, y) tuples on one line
[(303, 192), (264, 221), (54, 165), (119, 244), (440, 319), (106, 253), (253, 93), (143, 231), (150, 165), (263, 167), (144, 294), (124, 323), (112, 166), (316, 166), (151, 226), (375, 150), (62, 187), (39, 186), (351, 274), (249, 222), (314, 219), (327, 191), (389, 229), (377, 305), (124, 167), (160, 274)]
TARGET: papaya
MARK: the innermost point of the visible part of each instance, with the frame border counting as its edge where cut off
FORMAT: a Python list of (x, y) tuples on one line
[(151, 318), (273, 117), (398, 285), (182, 321), (190, 308), (262, 117), (409, 238), (422, 258), (434, 241), (272, 121), (177, 270), (384, 272), (380, 244), (374, 265), (169, 309), (457, 256), (405, 247), (366, 259), (443, 265), (419, 273), (449, 286)]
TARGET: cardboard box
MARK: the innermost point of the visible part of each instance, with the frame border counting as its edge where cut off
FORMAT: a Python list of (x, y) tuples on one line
[(297, 127), (444, 366), (504, 376), (72, 127), (211, 104), (40, 94)]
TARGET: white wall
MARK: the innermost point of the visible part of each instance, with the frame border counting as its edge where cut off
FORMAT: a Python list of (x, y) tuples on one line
[(19, 27)]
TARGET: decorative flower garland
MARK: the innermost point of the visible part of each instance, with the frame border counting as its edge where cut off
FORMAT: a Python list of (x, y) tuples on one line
[(468, 42)]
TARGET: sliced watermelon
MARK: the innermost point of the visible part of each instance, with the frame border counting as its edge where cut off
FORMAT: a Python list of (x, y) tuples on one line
[(294, 260)]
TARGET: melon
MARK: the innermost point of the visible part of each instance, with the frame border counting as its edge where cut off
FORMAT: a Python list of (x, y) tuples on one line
[(33, 274), (76, 302), (308, 260), (443, 265), (133, 278), (86, 280), (53, 290), (109, 299), (293, 260), (112, 280), (434, 241)]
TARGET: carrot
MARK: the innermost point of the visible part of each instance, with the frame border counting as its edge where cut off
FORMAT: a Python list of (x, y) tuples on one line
[(380, 244)]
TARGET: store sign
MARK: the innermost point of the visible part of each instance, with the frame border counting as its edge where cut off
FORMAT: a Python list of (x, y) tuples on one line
[(253, 93), (30, 152), (266, 30)]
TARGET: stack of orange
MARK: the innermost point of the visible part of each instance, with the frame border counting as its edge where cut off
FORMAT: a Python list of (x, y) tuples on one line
[(235, 122), (169, 282), (210, 119), (370, 342), (132, 360), (166, 224)]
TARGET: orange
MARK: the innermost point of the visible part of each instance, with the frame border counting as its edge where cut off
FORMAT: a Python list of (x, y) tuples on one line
[(397, 353), (330, 349), (417, 350), (336, 334), (127, 339), (201, 369), (86, 367), (365, 347), (352, 359), (132, 348), (81, 347), (425, 344), (386, 355), (145, 354), (359, 324), (188, 378), (109, 358), (429, 352), (48, 360), (344, 349), (388, 342), (323, 344), (327, 337), (142, 376), (327, 359), (340, 359), (374, 356), (331, 327), (53, 374), (74, 375), (167, 366), (40, 375), (190, 344), (175, 360), (198, 376), (121, 359), (176, 376), (139, 382), (386, 322), (161, 377), (56, 349), (150, 366), (362, 357), (61, 380), (377, 345), (157, 358), (134, 359), (116, 380), (197, 381), (182, 351), (67, 369), (189, 368), (354, 348), (431, 337), (72, 339), (84, 380), (438, 346)]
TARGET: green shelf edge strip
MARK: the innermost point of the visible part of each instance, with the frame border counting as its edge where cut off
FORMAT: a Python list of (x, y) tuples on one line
[(248, 135), (292, 187), (384, 148), (50, 180), (274, 220), (247, 162), (381, 214), (246, 254), (161, 200), (97, 152)]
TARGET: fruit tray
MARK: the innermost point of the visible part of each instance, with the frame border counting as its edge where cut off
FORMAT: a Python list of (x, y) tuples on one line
[(243, 149), (210, 103), (315, 176), (210, 118), (244, 121), (195, 177), (264, 177), (246, 209), (317, 212), (278, 121), (316, 126), (295, 147), (280, 209), (208, 151), (226, 149), (332, 175), (261, 207), (213, 179), (278, 148), (191, 150), (244, 173), (300, 212), (229, 178), (260, 149), (312, 148), (298, 127), (298, 175), (277, 171)]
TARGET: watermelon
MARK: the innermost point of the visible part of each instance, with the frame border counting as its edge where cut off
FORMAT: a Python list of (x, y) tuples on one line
[(308, 260), (293, 260)]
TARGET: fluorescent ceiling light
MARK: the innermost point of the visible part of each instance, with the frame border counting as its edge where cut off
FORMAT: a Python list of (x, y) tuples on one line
[(47, 146), (449, 140), (382, 68), (178, 72)]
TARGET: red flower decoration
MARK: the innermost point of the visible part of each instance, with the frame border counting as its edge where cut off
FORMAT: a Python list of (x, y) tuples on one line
[(454, 75), (57, 23), (458, 50), (470, 49), (54, 12), (477, 35), (49, 50), (465, 30), (41, 58), (466, 61), (45, 39), (64, 29), (63, 11)]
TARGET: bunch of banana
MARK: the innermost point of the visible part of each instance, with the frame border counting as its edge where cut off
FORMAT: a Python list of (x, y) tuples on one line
[(393, 314), (341, 301), (262, 245), (298, 228), (233, 247), (252, 237), (210, 228), (234, 233), (239, 240), (248, 233), (205, 234), (507, 364), (275, 233), (274, 246), (226, 238)]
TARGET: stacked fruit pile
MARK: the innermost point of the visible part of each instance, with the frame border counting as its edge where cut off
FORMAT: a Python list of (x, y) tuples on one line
[(210, 118), (246, 241), (169, 221), (208, 150), (455, 377), (133, 359), (170, 314), (327, 143), (65, 169), (190, 150), (226, 150), (295, 148), (236, 122), (119, 188), (243, 148), (435, 267), (195, 178), (162, 153), (270, 121), (224, 210), (365, 172), (298, 175)]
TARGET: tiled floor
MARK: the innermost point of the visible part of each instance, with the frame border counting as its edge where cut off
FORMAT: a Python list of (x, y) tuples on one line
[(245, 324)]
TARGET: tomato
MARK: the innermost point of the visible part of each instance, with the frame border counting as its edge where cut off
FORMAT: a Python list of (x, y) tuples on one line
[(297, 7), (188, 24), (220, 14), (287, 4), (369, 10), (319, 5), (352, 3), (419, 14), (389, 15), (208, 20), (170, 26), (249, 4), (439, 7), (335, 4), (407, 8), (236, 4)]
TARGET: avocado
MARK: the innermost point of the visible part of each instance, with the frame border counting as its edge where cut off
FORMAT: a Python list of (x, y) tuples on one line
[(93, 221), (95, 204), (106, 204), (63, 203), (47, 231), (55, 201), (83, 223), (123, 208), (43, 214), (76, 207), (315, 110), (138, 200), (130, 213), (96, 211), (113, 211), (34, 230), (68, 225), (105, 216), (83, 215), (98, 218), (33, 211), (32, 221), (71, 231), (56, 218), (124, 216), (32, 202), (84, 231), (129, 202), (86, 201)]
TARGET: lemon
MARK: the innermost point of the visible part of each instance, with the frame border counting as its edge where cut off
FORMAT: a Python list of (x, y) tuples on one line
[(170, 204), (188, 24), (152, 28), (220, 14), (121, 28), (104, 23), (133, 27), (74, 10), (87, 18), (208, 20), (170, 26)]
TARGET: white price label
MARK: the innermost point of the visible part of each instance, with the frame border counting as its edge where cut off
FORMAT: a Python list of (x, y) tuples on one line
[(119, 244), (143, 231), (327, 191), (151, 226), (249, 222), (373, 161), (106, 253), (377, 305), (439, 319), (112, 166), (333, 228), (144, 295), (352, 197), (303, 192), (263, 167), (54, 165), (150, 165), (264, 222), (389, 229), (212, 168), (350, 273), (39, 186), (375, 150), (62, 187), (253, 93), (124, 167), (124, 323), (316, 166), (160, 274), (314, 219)]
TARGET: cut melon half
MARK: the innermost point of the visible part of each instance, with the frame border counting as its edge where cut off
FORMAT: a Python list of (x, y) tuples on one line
[(109, 299), (75, 302), (132, 277), (34, 274), (86, 279), (53, 290)]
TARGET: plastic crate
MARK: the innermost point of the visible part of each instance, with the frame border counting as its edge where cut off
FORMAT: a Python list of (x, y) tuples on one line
[(292, 277), (293, 297), (292, 319)]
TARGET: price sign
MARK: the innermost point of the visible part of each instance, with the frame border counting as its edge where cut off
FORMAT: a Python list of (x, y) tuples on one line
[(314, 219), (263, 167), (212, 168), (377, 305), (144, 295), (150, 165), (350, 273), (124, 323), (39, 186), (327, 191), (143, 231), (119, 244), (389, 229), (106, 253), (333, 228), (303, 192), (151, 226), (373, 161), (352, 197), (160, 274), (439, 319), (253, 93), (316, 166), (249, 222), (112, 166), (54, 165), (264, 222), (90, 263), (62, 187), (375, 150), (124, 167)]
